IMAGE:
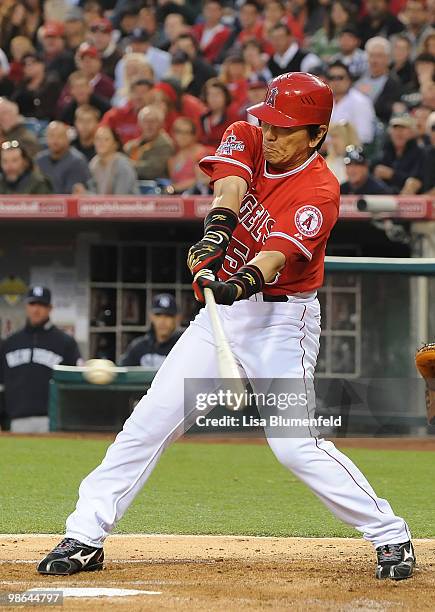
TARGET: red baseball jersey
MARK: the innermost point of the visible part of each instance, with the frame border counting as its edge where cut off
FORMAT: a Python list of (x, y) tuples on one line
[(292, 212)]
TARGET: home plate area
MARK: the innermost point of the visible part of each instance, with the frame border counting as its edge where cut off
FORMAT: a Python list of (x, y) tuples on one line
[(158, 572)]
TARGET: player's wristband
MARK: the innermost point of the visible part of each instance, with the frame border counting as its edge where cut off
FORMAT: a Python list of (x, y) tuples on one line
[(220, 221), (250, 280)]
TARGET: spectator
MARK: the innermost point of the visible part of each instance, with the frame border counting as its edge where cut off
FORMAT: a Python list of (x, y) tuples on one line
[(27, 358), (4, 62), (12, 127), (401, 67), (350, 104), (182, 70), (135, 67), (256, 61), (422, 180), (86, 120), (428, 95), (20, 46), (57, 58), (340, 136), (234, 73), (89, 62), (256, 94), (81, 93), (273, 14), (421, 115), (306, 17), (150, 351), (177, 104), (288, 56), (140, 42), (251, 26), (401, 156), (182, 166), (92, 11), (19, 19), (173, 26), (325, 41), (151, 151), (201, 69), (350, 54), (382, 89), (212, 35), (6, 84), (75, 28), (101, 37), (38, 93), (378, 21), (18, 174), (425, 68), (427, 44), (124, 119), (359, 180), (148, 22), (128, 20), (202, 185), (219, 115), (416, 16), (63, 164), (111, 171)]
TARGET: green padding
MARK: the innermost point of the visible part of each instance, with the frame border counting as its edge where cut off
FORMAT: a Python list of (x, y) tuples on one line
[(77, 405), (136, 377), (359, 265)]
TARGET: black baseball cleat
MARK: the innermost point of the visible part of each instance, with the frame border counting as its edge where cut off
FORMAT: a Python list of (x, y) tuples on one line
[(395, 561), (71, 556)]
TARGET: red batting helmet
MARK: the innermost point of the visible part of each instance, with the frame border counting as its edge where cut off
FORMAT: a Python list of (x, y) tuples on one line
[(295, 98)]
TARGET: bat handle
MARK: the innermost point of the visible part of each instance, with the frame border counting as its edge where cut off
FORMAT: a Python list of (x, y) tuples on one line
[(209, 296)]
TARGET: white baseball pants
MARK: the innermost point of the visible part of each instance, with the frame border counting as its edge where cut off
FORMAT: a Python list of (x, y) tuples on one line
[(269, 340)]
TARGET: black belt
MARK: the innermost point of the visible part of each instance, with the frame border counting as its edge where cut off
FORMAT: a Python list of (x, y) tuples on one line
[(274, 298)]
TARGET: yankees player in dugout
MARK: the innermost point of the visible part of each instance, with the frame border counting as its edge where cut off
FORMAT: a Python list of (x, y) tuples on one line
[(275, 203)]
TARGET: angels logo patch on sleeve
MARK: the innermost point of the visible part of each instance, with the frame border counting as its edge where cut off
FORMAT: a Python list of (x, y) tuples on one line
[(308, 220), (230, 144)]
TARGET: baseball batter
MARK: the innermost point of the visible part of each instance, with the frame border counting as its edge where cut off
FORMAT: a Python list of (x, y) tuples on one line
[(275, 203)]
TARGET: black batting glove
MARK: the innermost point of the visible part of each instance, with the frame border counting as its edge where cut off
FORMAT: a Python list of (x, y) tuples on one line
[(209, 252), (224, 292)]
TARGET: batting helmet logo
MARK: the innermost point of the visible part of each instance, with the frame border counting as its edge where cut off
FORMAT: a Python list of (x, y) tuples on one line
[(271, 97), (295, 99)]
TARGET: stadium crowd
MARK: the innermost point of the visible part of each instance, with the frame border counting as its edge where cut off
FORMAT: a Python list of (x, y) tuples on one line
[(126, 96)]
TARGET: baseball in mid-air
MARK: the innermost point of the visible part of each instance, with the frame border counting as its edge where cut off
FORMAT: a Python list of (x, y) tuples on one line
[(99, 371)]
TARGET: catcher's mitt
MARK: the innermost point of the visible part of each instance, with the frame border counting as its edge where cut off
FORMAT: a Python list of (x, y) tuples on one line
[(425, 362)]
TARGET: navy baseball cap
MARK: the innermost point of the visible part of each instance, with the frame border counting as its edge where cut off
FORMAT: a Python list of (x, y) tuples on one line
[(164, 303), (39, 295)]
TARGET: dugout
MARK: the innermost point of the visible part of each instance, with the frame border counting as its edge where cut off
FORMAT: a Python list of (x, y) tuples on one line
[(105, 258)]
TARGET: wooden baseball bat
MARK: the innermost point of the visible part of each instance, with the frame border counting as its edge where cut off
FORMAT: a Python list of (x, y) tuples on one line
[(227, 364)]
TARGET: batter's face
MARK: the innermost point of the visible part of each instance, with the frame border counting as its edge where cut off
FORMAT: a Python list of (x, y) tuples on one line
[(288, 148)]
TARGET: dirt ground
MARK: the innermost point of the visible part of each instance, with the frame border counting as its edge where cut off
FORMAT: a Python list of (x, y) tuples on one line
[(228, 573), (424, 443)]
